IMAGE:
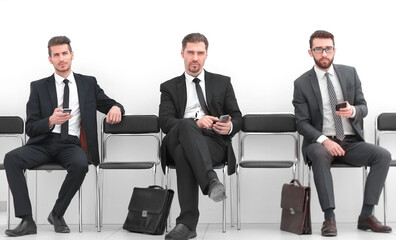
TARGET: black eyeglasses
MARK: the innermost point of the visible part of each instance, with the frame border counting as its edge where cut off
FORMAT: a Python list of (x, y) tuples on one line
[(320, 50)]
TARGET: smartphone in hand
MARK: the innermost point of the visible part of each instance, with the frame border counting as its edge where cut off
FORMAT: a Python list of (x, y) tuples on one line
[(66, 110), (341, 105), (224, 118)]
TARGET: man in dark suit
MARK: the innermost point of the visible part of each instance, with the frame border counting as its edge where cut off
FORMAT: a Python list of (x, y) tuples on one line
[(195, 140), (332, 134), (58, 135)]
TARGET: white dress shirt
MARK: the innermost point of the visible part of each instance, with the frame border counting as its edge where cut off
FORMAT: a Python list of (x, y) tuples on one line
[(328, 120), (75, 121), (193, 107)]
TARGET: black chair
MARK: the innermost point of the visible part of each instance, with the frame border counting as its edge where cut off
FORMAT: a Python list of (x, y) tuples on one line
[(266, 125), (11, 127), (221, 166), (385, 124), (131, 126), (58, 167)]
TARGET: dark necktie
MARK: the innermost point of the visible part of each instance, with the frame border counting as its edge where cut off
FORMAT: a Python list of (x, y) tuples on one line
[(333, 101), (65, 125), (200, 96)]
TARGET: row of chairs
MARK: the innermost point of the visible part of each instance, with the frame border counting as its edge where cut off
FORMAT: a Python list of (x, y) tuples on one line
[(254, 125)]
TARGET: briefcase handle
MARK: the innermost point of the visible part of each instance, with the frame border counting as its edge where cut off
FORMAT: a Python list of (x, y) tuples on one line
[(155, 187), (292, 182)]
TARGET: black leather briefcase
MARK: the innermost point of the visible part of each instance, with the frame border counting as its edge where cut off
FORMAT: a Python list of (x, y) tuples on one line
[(296, 208), (148, 210)]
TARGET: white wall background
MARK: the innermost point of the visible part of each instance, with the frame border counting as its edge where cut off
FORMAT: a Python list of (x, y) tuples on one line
[(133, 46)]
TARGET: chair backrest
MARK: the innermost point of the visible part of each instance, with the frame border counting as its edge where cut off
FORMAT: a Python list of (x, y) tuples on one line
[(385, 123), (12, 126), (270, 124), (131, 126)]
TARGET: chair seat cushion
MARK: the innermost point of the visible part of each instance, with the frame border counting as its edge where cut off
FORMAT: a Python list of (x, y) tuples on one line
[(49, 166), (266, 164), (127, 165)]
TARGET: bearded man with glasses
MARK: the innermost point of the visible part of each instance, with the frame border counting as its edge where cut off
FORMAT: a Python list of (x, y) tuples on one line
[(329, 107)]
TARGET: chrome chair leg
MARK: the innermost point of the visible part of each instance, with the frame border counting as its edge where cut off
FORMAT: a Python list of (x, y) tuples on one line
[(224, 203), (231, 201), (238, 199), (80, 210), (8, 209), (385, 206)]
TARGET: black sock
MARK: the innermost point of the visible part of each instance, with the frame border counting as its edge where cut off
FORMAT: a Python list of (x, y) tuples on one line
[(367, 210), (329, 213), (27, 217)]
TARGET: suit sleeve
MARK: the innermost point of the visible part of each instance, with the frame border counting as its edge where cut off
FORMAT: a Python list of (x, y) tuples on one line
[(303, 117), (167, 110), (231, 107), (35, 123), (359, 101), (103, 102)]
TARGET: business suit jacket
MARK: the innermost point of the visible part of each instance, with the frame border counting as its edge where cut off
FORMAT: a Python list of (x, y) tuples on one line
[(220, 99), (43, 100), (308, 106)]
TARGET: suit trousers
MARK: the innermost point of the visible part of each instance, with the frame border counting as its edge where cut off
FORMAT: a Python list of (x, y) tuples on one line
[(357, 153), (52, 149), (194, 152)]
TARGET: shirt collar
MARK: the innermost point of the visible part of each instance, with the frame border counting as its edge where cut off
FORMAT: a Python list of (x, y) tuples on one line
[(190, 78), (320, 73), (60, 79)]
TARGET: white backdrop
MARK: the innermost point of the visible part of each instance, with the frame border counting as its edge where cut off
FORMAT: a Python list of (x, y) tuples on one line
[(133, 46)]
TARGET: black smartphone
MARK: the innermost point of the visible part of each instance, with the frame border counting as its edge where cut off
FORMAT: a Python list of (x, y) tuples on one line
[(224, 118), (66, 110), (341, 105)]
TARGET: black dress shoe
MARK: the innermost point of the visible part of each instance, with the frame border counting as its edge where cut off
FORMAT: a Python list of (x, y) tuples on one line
[(59, 223), (26, 227), (216, 191), (180, 232), (371, 223), (329, 228)]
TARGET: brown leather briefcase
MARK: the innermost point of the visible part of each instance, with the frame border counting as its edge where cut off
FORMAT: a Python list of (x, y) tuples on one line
[(296, 208)]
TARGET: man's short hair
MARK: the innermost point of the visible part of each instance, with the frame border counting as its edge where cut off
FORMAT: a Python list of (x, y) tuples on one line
[(58, 40), (194, 38), (320, 34)]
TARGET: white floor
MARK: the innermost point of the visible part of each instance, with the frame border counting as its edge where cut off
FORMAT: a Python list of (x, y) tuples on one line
[(346, 231)]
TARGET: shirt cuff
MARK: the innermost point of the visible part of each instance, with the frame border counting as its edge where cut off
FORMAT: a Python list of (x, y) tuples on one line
[(230, 129), (321, 139), (354, 112)]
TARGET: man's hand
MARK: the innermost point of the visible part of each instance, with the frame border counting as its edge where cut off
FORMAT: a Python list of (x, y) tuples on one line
[(114, 115), (346, 111), (206, 121), (58, 117), (334, 148), (222, 128)]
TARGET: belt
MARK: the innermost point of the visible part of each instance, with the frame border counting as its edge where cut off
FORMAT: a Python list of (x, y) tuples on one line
[(345, 137)]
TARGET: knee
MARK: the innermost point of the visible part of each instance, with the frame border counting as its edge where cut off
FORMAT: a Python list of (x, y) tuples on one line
[(79, 167), (11, 160), (384, 156)]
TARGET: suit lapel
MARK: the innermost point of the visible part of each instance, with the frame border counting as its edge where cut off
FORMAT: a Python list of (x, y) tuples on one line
[(80, 91), (341, 79), (52, 91), (182, 94), (209, 87), (313, 79)]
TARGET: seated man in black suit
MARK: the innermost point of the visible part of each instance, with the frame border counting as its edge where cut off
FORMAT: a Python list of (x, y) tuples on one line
[(58, 135), (333, 134), (195, 140)]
